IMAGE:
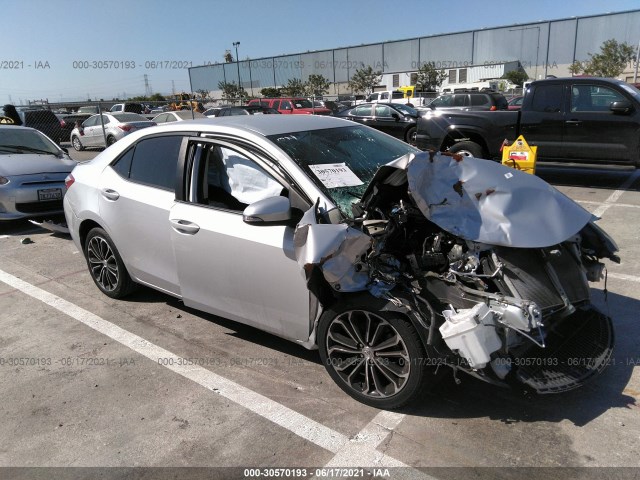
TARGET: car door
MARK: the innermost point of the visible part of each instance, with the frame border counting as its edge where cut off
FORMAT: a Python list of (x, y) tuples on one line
[(230, 268), (362, 114), (385, 121), (542, 123), (90, 131), (593, 132), (137, 192)]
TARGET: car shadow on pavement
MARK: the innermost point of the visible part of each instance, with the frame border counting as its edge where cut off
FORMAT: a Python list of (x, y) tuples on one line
[(473, 398), (245, 332)]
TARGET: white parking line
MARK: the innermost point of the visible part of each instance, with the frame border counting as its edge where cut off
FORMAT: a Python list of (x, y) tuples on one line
[(613, 198), (622, 276), (360, 451), (591, 202), (279, 414)]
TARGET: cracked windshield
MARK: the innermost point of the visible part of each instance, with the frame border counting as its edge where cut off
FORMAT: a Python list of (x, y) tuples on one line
[(342, 161)]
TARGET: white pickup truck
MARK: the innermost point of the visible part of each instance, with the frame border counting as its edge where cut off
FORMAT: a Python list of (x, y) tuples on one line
[(387, 96), (396, 96)]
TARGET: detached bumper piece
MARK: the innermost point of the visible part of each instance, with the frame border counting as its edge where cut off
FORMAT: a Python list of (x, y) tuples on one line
[(577, 348)]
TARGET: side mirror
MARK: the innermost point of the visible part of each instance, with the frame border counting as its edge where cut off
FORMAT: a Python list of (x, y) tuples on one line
[(268, 211), (396, 117), (621, 107)]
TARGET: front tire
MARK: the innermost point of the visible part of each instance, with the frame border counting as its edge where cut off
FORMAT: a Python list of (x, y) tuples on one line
[(77, 145), (374, 356), (105, 265), (468, 149)]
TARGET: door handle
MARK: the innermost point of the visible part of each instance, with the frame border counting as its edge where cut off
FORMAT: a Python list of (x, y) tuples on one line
[(185, 226), (110, 194), (574, 122)]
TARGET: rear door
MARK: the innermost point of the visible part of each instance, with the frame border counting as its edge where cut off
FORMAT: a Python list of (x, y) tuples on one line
[(542, 124), (137, 192), (593, 132), (227, 267)]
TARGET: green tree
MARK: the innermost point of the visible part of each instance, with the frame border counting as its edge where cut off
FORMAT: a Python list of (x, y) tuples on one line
[(228, 58), (316, 85), (293, 88), (156, 97), (609, 63), (517, 77), (428, 78), (364, 79), (231, 91), (271, 92), (203, 94)]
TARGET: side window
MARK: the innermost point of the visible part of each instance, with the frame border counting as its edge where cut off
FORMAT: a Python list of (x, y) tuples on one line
[(547, 98), (90, 122), (105, 119), (155, 162), (161, 118), (592, 98), (123, 164), (383, 111), (479, 100), (232, 181), (276, 105), (384, 96), (363, 111), (459, 100), (285, 105)]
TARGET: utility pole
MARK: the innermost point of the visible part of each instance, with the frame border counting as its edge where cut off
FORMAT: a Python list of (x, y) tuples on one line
[(235, 44), (635, 73), (147, 87)]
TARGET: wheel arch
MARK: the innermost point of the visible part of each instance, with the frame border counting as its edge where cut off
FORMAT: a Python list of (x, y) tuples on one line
[(468, 136)]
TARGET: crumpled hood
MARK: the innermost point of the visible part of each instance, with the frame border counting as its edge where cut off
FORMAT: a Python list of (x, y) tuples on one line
[(484, 201), (473, 199)]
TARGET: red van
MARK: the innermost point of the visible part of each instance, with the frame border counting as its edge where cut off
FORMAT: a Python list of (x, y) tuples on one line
[(299, 106)]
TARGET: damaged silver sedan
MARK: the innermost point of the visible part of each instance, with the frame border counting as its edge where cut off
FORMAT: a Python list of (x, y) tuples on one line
[(396, 264)]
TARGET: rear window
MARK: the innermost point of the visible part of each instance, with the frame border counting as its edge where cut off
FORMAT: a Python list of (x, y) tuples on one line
[(155, 162), (130, 117)]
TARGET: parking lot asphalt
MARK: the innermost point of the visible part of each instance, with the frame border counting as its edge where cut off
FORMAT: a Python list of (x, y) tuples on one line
[(146, 382)]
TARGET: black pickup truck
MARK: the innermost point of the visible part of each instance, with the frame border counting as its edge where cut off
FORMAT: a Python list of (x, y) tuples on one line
[(571, 120)]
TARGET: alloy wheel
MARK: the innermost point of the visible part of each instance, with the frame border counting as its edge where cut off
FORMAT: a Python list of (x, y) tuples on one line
[(368, 354), (102, 263)]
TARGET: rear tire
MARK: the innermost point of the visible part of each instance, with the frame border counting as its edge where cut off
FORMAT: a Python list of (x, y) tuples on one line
[(111, 140), (77, 145), (468, 149), (411, 136), (105, 265), (374, 356)]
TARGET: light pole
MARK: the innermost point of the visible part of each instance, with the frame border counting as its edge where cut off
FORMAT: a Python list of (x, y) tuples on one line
[(235, 44)]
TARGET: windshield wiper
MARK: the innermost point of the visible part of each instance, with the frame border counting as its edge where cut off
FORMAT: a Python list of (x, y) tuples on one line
[(28, 149)]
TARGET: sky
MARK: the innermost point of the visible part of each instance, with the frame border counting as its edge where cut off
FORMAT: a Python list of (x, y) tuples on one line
[(71, 50)]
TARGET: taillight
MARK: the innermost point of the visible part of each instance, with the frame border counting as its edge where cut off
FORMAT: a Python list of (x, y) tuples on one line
[(69, 181), (63, 123), (493, 108), (125, 127)]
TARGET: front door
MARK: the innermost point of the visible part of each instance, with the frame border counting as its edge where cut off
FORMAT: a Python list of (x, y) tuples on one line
[(593, 132), (227, 267)]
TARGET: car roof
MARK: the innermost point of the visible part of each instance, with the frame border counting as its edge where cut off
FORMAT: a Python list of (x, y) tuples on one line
[(611, 81)]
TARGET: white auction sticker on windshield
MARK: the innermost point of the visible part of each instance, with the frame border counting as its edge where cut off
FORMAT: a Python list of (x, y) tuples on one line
[(333, 175)]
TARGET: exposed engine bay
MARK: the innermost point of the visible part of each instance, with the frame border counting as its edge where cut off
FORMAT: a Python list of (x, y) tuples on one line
[(491, 265)]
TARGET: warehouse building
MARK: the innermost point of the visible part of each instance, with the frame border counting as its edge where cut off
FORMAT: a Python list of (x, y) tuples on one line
[(542, 48)]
